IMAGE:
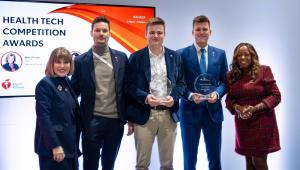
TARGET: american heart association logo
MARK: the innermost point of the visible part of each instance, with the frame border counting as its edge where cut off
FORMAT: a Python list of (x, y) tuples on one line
[(6, 84)]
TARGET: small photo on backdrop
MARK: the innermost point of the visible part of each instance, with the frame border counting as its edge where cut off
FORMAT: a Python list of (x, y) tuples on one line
[(11, 61)]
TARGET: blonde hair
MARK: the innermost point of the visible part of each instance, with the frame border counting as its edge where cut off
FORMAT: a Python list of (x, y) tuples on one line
[(56, 55)]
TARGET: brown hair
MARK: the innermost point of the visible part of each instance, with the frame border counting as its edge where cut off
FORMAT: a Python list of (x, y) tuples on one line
[(155, 21), (100, 19), (236, 71), (56, 55), (201, 19)]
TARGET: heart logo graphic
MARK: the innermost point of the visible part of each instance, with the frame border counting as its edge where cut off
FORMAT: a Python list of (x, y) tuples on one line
[(6, 84)]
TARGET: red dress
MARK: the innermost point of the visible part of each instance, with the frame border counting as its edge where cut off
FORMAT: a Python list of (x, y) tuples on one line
[(257, 135)]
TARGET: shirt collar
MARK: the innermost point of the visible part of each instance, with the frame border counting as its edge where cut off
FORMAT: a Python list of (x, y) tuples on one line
[(198, 48), (159, 55)]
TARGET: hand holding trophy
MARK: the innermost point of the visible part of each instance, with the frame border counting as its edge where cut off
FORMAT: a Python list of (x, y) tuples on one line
[(204, 85), (161, 88)]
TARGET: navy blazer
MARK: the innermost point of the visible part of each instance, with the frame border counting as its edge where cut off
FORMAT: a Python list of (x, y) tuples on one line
[(83, 83), (7, 67), (217, 67), (56, 123), (138, 77)]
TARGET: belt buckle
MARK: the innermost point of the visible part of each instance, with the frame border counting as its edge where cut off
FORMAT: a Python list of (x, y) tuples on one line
[(160, 107)]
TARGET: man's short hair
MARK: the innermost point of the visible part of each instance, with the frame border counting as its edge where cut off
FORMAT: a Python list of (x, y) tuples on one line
[(155, 21), (100, 19), (201, 19)]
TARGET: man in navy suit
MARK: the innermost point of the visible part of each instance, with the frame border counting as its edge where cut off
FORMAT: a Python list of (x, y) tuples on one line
[(98, 78), (197, 113), (152, 112)]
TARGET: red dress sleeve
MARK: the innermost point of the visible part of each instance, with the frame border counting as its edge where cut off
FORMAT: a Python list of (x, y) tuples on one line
[(229, 101), (273, 96)]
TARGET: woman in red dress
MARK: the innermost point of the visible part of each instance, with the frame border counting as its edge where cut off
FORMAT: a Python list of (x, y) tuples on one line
[(252, 97)]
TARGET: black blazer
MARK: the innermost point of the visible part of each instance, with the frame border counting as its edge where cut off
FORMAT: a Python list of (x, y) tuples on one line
[(138, 77), (83, 83), (57, 121)]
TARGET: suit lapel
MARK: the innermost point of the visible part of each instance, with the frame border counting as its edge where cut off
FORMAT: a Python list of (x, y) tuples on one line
[(169, 63), (90, 64), (146, 64), (194, 61), (55, 84), (115, 62)]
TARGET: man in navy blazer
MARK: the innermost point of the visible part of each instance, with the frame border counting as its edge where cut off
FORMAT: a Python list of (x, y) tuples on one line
[(151, 115), (197, 113), (98, 79)]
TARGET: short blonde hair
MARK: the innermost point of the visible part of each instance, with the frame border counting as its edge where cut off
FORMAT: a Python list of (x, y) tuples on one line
[(56, 55)]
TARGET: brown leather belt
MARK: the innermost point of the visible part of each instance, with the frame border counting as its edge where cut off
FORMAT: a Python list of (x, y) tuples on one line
[(160, 107)]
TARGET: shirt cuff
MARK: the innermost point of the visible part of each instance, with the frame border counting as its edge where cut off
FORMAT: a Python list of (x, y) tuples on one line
[(218, 96), (146, 101), (190, 97)]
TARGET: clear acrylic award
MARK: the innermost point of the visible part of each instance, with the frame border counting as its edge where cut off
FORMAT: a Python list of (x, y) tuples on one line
[(161, 88), (205, 84)]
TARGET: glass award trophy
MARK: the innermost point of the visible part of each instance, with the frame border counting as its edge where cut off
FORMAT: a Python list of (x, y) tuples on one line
[(205, 84), (161, 88)]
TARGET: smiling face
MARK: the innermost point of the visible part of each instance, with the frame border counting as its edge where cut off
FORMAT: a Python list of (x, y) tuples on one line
[(155, 35), (61, 67), (201, 32), (244, 58), (100, 33)]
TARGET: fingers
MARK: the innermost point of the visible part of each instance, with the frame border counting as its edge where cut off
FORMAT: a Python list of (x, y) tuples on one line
[(196, 98), (248, 108), (152, 100), (59, 157), (130, 131), (168, 102), (58, 154), (213, 97), (130, 128), (245, 115)]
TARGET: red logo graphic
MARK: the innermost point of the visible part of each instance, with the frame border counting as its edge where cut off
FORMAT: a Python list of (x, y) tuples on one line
[(6, 84)]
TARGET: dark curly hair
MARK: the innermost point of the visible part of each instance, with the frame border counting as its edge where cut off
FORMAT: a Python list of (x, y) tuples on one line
[(236, 72)]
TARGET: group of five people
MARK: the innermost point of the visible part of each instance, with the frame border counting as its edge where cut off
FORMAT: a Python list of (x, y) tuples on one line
[(114, 90)]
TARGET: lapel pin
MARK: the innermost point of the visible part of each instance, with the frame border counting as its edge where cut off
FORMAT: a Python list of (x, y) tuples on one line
[(59, 87)]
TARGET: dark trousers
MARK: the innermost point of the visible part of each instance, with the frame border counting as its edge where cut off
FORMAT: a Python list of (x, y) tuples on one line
[(103, 136), (190, 134), (47, 163)]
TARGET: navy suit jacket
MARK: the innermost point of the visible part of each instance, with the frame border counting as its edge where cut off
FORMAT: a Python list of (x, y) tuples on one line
[(217, 67), (83, 82), (56, 124), (7, 67), (138, 77)]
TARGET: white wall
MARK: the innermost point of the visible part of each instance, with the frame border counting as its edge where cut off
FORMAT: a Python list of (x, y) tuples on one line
[(271, 26)]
